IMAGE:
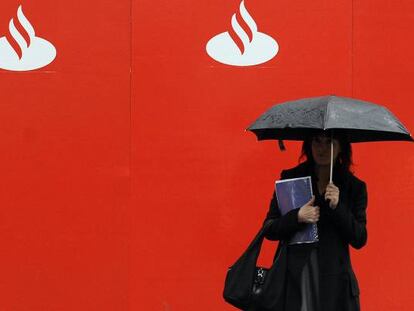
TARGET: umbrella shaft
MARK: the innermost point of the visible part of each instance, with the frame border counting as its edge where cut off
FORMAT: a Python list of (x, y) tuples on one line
[(330, 172)]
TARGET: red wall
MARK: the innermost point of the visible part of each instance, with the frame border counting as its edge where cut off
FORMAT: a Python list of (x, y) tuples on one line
[(65, 162), (128, 181), (201, 185)]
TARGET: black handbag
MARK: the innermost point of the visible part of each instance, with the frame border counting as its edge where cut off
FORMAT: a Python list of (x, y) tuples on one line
[(249, 287)]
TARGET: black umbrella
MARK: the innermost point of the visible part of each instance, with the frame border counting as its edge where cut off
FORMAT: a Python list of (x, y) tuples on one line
[(358, 120)]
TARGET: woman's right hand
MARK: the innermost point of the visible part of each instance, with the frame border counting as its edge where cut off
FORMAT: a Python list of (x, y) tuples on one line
[(309, 213)]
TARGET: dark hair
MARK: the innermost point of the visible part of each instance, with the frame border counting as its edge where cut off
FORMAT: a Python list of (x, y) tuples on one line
[(344, 159)]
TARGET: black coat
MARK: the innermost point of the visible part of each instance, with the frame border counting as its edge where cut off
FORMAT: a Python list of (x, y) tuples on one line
[(337, 229)]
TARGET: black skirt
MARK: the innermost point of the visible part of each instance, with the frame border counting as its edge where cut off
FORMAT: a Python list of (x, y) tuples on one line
[(309, 284), (302, 281)]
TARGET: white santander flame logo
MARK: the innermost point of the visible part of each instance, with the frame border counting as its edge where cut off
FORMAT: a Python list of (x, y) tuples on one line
[(243, 45), (30, 52)]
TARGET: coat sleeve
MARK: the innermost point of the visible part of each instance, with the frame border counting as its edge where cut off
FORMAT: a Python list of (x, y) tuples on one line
[(283, 226), (351, 220)]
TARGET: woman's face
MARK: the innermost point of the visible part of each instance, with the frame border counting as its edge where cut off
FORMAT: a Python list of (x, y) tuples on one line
[(321, 149)]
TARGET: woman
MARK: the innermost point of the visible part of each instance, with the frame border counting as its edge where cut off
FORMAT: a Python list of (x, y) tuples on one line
[(320, 275)]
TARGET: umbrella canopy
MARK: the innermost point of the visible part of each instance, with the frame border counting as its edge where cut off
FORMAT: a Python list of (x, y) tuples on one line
[(358, 120)]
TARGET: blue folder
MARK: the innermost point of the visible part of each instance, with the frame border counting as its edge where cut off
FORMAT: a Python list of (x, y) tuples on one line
[(292, 194)]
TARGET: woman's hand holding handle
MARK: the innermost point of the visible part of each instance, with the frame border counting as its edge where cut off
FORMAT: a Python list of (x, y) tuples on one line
[(309, 213), (332, 195)]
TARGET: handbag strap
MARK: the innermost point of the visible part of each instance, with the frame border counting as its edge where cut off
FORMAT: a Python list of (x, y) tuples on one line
[(256, 243)]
